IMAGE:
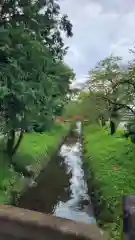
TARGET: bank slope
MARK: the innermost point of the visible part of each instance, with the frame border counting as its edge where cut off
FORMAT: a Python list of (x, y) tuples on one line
[(111, 171), (35, 151)]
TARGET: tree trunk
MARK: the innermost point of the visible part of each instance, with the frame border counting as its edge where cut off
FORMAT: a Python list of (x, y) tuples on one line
[(11, 150), (112, 127), (18, 142), (10, 142)]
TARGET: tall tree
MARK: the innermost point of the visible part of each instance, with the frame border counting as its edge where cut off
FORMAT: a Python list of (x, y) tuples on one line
[(106, 78), (33, 77), (94, 107)]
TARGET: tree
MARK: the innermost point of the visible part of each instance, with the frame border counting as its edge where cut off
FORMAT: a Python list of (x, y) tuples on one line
[(89, 106), (42, 17), (64, 75), (33, 77), (71, 109), (30, 81), (107, 78)]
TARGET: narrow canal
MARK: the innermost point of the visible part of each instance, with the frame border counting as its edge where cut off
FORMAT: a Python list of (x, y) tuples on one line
[(61, 189)]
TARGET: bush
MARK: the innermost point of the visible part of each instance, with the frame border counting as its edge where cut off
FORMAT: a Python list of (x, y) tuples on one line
[(111, 158)]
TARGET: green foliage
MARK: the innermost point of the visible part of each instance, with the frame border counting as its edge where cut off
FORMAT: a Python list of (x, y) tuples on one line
[(93, 106), (43, 18), (130, 126), (31, 81), (34, 80), (109, 80), (35, 151), (88, 105), (71, 109), (112, 161)]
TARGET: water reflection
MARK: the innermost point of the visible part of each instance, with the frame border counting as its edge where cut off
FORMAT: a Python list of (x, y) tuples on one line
[(53, 184), (61, 188)]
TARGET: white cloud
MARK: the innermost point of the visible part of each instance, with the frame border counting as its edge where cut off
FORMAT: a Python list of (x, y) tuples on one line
[(80, 81), (100, 27), (121, 48)]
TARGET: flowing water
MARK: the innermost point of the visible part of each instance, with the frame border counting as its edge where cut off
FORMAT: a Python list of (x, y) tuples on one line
[(62, 189)]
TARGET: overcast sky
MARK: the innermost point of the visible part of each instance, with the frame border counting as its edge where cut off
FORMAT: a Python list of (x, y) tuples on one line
[(100, 27)]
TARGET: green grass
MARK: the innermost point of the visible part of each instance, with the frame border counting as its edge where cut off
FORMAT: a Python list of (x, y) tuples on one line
[(35, 151), (112, 159)]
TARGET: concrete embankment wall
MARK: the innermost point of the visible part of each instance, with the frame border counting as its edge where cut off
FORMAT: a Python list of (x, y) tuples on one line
[(20, 224)]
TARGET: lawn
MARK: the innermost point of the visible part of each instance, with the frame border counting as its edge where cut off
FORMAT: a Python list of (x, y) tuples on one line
[(112, 160), (35, 150)]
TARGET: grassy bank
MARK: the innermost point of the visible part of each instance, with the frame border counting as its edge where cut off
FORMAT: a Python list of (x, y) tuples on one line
[(35, 150), (111, 163)]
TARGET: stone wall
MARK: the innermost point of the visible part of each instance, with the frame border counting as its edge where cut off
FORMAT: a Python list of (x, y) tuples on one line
[(20, 224)]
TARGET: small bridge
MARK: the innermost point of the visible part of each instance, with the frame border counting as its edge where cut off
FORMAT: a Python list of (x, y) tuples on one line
[(71, 119), (22, 224)]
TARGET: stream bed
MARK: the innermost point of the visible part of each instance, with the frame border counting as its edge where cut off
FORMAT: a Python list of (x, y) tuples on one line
[(61, 189)]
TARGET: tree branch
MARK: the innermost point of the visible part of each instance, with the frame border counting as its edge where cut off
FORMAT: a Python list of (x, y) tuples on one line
[(125, 82), (121, 105)]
